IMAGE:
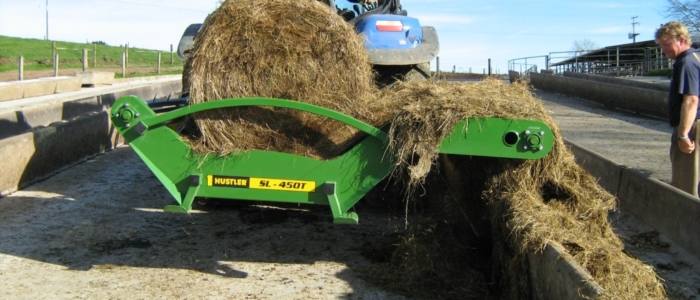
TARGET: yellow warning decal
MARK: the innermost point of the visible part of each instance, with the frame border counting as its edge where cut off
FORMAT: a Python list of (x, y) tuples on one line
[(228, 181), (282, 184), (261, 183)]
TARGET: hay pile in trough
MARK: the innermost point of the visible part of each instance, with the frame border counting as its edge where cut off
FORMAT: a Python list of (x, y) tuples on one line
[(288, 49), (520, 205), (301, 50)]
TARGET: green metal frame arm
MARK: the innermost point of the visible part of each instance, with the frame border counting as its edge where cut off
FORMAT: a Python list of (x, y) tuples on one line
[(272, 176), (496, 137), (301, 106)]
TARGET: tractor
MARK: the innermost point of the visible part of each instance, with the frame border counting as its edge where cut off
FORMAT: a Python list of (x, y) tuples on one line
[(399, 48)]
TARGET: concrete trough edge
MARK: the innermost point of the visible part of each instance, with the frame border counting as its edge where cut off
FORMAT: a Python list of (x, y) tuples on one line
[(22, 120), (668, 210), (38, 87), (606, 171), (36, 155), (639, 100), (618, 81), (665, 208), (43, 151), (555, 275)]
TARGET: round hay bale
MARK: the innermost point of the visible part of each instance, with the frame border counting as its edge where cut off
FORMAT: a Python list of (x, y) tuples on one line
[(290, 49)]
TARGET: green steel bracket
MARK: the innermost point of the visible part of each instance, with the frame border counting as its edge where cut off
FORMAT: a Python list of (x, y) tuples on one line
[(495, 137), (339, 216), (186, 204), (281, 177)]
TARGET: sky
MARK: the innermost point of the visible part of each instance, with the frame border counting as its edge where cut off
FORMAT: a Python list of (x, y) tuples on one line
[(470, 32)]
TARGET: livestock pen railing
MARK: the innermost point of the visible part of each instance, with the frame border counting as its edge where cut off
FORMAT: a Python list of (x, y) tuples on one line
[(613, 61)]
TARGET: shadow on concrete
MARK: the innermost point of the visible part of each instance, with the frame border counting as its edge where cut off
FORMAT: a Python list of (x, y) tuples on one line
[(61, 145), (11, 127), (107, 213)]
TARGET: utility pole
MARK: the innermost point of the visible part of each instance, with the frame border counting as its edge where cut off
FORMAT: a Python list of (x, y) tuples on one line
[(47, 20), (633, 35)]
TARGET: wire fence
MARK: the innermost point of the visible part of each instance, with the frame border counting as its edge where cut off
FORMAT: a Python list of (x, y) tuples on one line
[(87, 57)]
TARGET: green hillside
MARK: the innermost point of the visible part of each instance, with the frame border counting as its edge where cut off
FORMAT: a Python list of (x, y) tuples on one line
[(37, 55)]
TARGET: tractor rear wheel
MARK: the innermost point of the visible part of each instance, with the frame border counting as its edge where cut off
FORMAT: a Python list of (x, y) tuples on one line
[(186, 78), (388, 75)]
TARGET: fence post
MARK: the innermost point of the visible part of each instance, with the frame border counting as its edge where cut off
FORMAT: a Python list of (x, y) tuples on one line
[(159, 62), (489, 67), (85, 59), (617, 61), (123, 64), (94, 55), (55, 66), (53, 51), (21, 68), (437, 67), (126, 54)]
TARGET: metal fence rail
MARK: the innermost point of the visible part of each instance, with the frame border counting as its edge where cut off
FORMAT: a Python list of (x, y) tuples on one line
[(526, 64), (614, 61)]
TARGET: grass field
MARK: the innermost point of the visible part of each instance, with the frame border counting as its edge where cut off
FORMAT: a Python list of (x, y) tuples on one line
[(37, 55)]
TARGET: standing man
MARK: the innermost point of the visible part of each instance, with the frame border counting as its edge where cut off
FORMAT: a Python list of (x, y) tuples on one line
[(674, 39)]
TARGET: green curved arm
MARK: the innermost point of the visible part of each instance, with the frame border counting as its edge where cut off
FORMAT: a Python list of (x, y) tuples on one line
[(362, 126)]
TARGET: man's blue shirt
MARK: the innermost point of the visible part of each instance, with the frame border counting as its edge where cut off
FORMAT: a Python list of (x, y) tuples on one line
[(685, 81)]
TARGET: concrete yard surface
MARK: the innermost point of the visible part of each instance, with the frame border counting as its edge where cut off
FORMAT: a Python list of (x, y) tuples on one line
[(97, 231)]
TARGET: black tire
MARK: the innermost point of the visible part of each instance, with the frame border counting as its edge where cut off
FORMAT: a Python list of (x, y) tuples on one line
[(186, 78), (388, 75), (418, 72)]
